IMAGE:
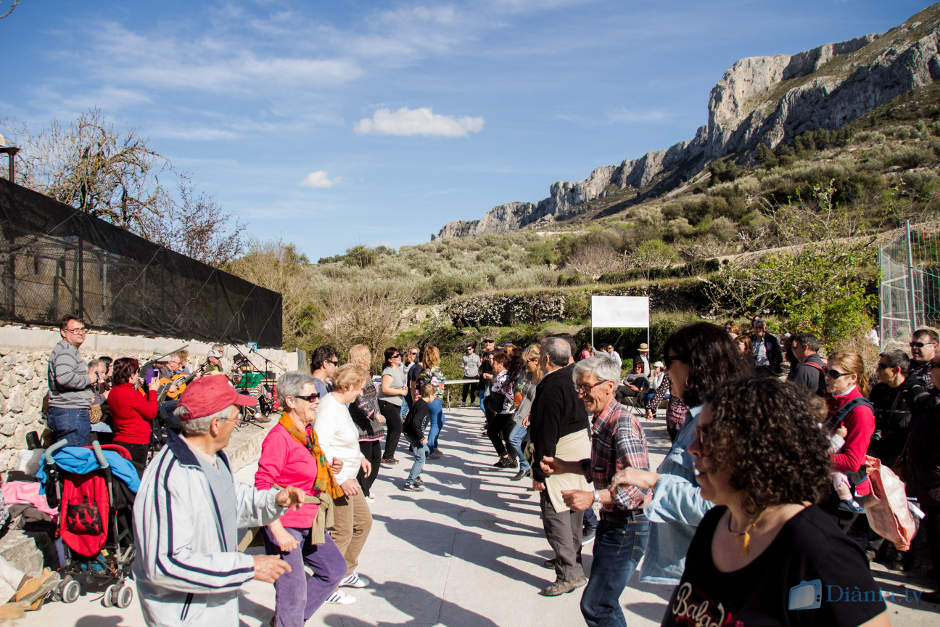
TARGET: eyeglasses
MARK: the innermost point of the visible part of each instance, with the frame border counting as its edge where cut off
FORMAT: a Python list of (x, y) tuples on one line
[(835, 374), (921, 344), (84, 330), (700, 432), (584, 388), (310, 397)]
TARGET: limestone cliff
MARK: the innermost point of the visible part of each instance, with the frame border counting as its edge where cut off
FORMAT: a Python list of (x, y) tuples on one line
[(759, 99)]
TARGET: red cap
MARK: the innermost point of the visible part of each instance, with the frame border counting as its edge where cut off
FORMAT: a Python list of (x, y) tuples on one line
[(210, 394)]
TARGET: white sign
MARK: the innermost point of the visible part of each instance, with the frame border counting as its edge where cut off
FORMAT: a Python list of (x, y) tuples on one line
[(620, 311)]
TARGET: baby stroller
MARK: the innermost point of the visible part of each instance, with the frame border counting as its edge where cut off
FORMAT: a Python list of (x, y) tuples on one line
[(95, 523)]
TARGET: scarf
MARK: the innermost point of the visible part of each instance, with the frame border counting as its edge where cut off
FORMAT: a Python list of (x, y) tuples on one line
[(325, 481)]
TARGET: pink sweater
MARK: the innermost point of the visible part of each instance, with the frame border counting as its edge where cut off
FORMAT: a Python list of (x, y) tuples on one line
[(286, 462), (860, 424)]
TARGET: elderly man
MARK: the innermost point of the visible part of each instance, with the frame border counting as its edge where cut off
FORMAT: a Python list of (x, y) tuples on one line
[(558, 427), (923, 349), (187, 514), (618, 442), (70, 382)]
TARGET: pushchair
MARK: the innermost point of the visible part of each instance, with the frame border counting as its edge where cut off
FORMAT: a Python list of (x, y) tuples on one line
[(95, 523)]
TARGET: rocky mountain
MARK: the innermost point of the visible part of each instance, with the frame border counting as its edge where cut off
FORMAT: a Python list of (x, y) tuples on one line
[(758, 100)]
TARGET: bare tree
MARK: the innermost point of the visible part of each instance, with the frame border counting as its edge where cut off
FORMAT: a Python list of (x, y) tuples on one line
[(9, 10), (116, 176)]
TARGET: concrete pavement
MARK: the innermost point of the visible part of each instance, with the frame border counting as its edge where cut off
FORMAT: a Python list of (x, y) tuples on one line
[(465, 552)]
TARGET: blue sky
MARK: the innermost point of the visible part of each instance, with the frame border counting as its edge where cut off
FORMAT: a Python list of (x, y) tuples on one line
[(337, 123)]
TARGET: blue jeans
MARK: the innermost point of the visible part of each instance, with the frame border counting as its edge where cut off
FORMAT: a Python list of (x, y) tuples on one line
[(618, 548), (436, 409), (421, 452), (484, 392), (515, 438), (71, 425)]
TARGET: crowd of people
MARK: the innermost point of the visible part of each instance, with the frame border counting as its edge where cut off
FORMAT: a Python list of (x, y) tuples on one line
[(760, 493)]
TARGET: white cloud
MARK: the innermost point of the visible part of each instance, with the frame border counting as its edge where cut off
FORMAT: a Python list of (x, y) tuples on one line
[(421, 121), (320, 180), (623, 115)]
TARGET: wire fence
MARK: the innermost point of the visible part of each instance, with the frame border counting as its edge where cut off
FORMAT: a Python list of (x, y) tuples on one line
[(910, 282), (56, 260)]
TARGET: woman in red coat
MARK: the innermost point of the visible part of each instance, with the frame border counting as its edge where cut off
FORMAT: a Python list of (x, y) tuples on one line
[(846, 381), (131, 412)]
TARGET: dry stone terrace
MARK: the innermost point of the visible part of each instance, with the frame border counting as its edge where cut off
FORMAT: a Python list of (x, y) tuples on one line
[(465, 552)]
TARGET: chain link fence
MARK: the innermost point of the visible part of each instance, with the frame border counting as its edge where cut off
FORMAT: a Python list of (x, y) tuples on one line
[(910, 282), (55, 260)]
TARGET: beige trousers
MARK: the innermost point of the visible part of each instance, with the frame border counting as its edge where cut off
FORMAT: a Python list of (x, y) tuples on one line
[(352, 522)]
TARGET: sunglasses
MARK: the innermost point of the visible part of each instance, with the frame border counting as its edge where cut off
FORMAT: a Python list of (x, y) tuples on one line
[(334, 361), (671, 358), (700, 433), (921, 344), (395, 355), (310, 397), (835, 374)]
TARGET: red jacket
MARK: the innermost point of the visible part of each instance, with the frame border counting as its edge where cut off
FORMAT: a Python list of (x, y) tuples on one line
[(860, 424), (131, 413)]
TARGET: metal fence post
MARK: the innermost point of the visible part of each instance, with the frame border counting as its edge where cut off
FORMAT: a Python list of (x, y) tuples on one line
[(910, 277)]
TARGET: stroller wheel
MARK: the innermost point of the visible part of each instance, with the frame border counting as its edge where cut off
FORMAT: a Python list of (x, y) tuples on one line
[(124, 596), (70, 590), (108, 599)]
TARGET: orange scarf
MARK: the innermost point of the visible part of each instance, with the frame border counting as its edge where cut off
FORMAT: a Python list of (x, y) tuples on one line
[(325, 481)]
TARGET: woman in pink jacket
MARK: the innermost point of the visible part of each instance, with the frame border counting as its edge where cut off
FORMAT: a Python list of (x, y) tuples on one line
[(291, 456)]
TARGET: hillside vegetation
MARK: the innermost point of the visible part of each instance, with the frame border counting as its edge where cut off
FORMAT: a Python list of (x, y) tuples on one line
[(681, 248)]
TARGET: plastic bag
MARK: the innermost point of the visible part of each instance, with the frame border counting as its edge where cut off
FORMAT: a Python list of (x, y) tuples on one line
[(886, 508)]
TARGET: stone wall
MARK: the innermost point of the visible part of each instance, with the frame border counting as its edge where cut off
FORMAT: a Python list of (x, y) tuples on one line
[(24, 354)]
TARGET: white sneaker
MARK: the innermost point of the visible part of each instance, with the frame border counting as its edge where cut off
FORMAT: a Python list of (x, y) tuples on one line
[(341, 598), (354, 581)]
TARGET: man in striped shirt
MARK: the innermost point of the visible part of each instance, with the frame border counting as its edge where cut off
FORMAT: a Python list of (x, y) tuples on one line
[(617, 442)]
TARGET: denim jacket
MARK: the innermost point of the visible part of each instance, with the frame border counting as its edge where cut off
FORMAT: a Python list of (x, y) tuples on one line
[(675, 510)]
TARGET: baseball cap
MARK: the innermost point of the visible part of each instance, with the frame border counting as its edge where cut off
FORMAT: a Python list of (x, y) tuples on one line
[(215, 353), (210, 394)]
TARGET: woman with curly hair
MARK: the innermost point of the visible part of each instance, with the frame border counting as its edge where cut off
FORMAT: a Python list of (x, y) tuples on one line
[(698, 357), (765, 554)]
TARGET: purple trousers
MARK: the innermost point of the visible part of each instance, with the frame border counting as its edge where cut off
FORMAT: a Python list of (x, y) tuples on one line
[(298, 596)]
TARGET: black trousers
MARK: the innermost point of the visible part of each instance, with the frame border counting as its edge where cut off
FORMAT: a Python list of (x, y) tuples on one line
[(498, 428), (469, 393), (372, 451), (392, 415)]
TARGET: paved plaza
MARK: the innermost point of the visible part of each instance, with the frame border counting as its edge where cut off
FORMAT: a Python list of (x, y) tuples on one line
[(465, 552)]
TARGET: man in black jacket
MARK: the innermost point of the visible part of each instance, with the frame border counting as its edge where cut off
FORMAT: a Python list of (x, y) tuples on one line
[(811, 371), (767, 353), (557, 412)]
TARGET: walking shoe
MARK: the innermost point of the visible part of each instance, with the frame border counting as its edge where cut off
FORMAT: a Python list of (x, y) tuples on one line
[(549, 563), (588, 534), (411, 487), (354, 581), (561, 586), (435, 455), (341, 598), (519, 475), (389, 462), (418, 481)]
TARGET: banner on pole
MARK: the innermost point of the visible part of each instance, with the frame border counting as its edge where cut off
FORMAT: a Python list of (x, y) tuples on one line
[(620, 311)]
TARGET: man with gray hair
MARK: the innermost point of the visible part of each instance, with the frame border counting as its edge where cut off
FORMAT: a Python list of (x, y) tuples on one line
[(188, 511), (618, 442), (558, 427)]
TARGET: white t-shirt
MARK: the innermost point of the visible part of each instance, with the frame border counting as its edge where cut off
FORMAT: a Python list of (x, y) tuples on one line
[(338, 436)]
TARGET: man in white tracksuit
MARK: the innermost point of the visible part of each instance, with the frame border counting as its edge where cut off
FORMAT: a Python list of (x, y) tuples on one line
[(187, 513)]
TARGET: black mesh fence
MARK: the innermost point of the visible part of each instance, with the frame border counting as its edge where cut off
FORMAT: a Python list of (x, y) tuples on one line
[(55, 260)]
